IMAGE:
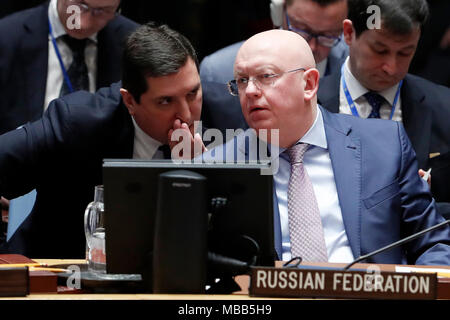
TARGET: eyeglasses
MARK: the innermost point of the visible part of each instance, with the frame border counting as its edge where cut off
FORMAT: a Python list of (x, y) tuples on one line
[(326, 41), (262, 81), (103, 12)]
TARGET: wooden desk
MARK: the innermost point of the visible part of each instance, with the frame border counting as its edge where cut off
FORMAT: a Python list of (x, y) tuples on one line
[(243, 281), (243, 295)]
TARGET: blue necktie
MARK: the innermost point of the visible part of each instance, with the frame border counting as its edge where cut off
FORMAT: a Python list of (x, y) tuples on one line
[(375, 100), (77, 72)]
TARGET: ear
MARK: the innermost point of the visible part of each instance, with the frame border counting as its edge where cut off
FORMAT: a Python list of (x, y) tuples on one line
[(128, 100), (311, 78), (348, 30)]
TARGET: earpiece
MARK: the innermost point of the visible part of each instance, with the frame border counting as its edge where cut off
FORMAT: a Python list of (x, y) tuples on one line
[(276, 12)]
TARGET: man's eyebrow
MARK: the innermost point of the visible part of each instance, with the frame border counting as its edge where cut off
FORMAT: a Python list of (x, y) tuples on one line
[(162, 97), (196, 87), (380, 44), (261, 68), (306, 27), (410, 47)]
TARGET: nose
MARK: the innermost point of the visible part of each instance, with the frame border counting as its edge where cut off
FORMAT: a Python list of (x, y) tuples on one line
[(390, 65), (87, 21), (184, 111), (252, 89)]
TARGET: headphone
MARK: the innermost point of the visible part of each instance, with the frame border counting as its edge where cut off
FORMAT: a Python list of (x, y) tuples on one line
[(276, 12)]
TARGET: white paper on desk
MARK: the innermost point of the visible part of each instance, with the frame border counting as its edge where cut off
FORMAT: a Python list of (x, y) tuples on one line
[(441, 272)]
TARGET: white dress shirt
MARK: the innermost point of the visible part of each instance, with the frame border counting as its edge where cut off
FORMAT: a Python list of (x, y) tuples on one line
[(357, 92), (55, 76), (317, 164), (144, 146)]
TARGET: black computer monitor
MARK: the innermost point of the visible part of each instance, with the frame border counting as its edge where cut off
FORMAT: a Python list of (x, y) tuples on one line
[(131, 192)]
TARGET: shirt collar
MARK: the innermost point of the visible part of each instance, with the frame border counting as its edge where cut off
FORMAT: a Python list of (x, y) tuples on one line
[(57, 27), (146, 144), (357, 90)]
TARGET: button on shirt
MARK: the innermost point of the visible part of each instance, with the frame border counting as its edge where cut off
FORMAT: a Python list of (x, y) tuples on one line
[(357, 92), (317, 163), (55, 76)]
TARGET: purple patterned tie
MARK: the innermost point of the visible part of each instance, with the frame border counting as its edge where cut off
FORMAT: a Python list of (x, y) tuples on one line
[(305, 225)]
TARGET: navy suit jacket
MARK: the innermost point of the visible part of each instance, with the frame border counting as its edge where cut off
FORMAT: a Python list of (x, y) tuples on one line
[(426, 114), (61, 156), (220, 109), (24, 61), (381, 196)]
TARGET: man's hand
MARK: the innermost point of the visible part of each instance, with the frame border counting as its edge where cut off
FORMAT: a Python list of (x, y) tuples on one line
[(422, 174), (184, 143)]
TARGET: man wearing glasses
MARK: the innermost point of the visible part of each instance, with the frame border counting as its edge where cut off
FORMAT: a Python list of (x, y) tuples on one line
[(54, 49), (318, 21), (320, 24), (338, 192)]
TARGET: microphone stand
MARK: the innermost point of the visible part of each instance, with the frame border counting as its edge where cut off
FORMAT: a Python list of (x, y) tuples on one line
[(396, 244)]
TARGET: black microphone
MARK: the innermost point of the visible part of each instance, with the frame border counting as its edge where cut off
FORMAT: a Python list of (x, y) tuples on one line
[(398, 243)]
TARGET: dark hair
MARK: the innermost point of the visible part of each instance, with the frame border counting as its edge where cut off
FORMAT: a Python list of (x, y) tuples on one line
[(153, 51), (322, 3), (397, 16)]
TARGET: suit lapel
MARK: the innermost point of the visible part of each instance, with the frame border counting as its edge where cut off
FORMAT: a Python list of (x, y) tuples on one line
[(328, 93), (417, 120), (34, 54), (345, 154)]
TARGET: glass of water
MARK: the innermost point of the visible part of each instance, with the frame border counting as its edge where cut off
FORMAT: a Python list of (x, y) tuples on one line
[(94, 228)]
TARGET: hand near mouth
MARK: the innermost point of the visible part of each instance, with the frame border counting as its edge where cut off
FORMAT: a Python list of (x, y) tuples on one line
[(177, 136)]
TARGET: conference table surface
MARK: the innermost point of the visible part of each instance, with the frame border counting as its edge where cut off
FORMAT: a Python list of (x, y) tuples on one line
[(243, 281)]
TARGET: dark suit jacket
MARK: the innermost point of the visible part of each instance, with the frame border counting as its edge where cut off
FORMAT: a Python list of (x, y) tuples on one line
[(24, 62), (60, 156), (381, 196), (220, 109), (426, 114)]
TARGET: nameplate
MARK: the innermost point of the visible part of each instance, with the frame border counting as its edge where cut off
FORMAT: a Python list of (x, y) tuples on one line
[(376, 284)]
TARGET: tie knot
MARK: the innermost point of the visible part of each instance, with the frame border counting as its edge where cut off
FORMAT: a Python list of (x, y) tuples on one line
[(76, 45), (296, 152), (375, 100)]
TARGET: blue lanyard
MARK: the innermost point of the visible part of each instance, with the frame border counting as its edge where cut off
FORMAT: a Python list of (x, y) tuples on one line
[(351, 103), (58, 54)]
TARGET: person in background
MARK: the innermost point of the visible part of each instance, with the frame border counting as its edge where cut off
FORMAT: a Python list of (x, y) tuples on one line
[(56, 48), (318, 21), (375, 83), (61, 154), (51, 50)]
